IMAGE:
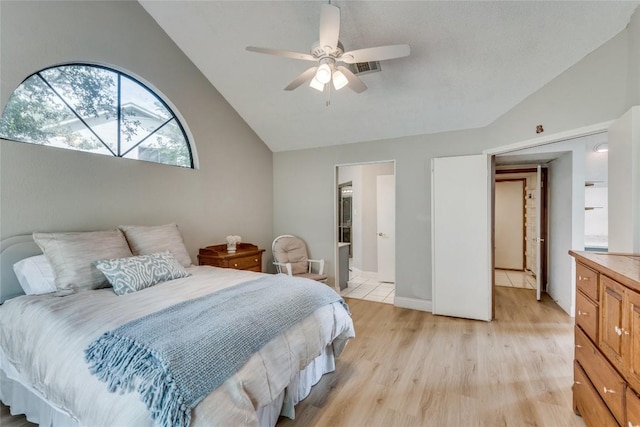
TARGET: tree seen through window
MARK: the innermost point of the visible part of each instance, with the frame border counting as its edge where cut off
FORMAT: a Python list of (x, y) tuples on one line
[(95, 109)]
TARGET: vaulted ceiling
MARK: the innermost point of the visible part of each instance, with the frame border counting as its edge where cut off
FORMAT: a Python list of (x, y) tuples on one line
[(470, 62)]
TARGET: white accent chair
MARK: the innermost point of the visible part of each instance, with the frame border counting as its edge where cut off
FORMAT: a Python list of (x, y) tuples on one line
[(290, 257)]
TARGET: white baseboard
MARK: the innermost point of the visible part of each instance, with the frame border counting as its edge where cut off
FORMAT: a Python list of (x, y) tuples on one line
[(566, 306), (413, 303)]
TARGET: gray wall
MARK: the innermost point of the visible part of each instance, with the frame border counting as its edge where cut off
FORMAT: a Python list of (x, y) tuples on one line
[(50, 189), (633, 33), (592, 91)]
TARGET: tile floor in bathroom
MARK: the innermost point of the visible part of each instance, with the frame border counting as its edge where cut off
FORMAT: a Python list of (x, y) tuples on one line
[(368, 288), (515, 279)]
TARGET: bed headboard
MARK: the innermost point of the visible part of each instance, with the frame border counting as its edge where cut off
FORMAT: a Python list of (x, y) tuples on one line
[(12, 250)]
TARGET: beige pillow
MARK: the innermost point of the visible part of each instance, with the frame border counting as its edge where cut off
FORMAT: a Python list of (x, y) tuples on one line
[(151, 240), (72, 255)]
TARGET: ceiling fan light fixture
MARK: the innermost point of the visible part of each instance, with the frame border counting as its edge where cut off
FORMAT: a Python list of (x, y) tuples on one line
[(323, 75), (339, 80), (317, 85)]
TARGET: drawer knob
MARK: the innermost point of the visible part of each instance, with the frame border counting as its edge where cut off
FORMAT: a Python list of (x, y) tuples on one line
[(235, 265), (577, 382), (619, 331), (256, 260), (583, 313), (578, 346), (608, 390), (584, 279)]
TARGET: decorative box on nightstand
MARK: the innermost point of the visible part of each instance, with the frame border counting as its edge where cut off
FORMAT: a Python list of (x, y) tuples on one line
[(246, 257)]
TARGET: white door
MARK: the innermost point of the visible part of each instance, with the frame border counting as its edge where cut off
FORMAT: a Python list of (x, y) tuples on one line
[(461, 237), (538, 237), (386, 205)]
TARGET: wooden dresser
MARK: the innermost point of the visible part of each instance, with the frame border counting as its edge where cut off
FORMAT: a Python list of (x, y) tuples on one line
[(607, 339), (246, 257)]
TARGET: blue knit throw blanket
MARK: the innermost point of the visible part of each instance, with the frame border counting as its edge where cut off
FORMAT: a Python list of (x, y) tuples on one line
[(177, 356)]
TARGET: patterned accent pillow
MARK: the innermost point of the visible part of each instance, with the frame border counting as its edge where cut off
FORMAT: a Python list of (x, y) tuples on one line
[(132, 274)]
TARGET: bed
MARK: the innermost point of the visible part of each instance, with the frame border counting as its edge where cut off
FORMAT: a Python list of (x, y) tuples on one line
[(44, 373)]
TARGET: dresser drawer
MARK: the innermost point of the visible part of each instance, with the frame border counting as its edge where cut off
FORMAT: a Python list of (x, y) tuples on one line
[(587, 402), (246, 262), (587, 281), (633, 409), (246, 257), (606, 380), (587, 316)]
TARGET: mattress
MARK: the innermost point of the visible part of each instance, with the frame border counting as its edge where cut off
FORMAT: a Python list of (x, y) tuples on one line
[(42, 339)]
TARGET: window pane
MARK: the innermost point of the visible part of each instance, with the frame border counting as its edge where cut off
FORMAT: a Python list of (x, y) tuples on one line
[(166, 146), (95, 109), (93, 94), (36, 114), (142, 113)]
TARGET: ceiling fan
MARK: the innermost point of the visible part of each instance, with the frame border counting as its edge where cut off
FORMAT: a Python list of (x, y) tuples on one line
[(329, 53)]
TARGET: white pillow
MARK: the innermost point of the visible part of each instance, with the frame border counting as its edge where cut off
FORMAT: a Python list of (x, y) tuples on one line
[(35, 275)]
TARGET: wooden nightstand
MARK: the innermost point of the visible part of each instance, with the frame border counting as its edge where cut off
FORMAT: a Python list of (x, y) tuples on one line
[(246, 257)]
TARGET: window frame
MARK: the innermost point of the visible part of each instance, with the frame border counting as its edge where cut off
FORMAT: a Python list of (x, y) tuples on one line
[(157, 94)]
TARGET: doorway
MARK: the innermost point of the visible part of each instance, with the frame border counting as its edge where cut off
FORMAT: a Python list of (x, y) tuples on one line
[(473, 298), (365, 233), (520, 227)]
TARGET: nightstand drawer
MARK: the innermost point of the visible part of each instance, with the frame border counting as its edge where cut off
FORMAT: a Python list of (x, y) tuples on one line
[(246, 263), (246, 257), (587, 281), (604, 377), (587, 316)]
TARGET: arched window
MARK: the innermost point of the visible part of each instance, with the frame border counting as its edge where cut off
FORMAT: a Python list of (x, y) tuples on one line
[(98, 110)]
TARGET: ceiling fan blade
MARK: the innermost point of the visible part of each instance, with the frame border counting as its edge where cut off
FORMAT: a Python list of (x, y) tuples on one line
[(380, 53), (329, 27), (284, 53), (355, 84), (302, 78)]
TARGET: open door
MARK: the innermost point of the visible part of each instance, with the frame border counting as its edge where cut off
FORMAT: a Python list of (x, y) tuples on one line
[(461, 237), (386, 224), (539, 238)]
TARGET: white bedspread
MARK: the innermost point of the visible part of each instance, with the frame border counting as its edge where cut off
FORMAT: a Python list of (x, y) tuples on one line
[(44, 338)]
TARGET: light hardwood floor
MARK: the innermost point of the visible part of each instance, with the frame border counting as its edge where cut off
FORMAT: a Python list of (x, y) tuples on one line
[(410, 368)]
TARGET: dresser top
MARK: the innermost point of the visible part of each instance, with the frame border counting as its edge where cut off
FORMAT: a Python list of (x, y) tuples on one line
[(220, 251), (624, 268)]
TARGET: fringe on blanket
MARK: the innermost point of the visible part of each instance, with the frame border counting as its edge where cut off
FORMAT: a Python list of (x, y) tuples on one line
[(119, 360)]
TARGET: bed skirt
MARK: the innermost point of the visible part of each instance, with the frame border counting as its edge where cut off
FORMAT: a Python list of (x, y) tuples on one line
[(22, 399)]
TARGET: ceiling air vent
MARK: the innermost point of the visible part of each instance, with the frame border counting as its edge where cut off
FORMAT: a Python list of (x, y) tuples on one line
[(364, 67)]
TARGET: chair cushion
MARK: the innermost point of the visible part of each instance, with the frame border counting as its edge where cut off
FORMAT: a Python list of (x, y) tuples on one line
[(292, 249), (312, 276)]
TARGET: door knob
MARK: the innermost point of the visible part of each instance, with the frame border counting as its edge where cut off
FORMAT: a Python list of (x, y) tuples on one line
[(380, 234)]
